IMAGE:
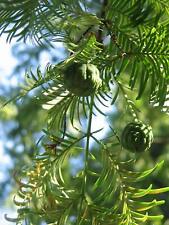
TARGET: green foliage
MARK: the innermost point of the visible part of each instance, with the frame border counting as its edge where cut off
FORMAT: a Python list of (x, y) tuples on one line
[(126, 41), (51, 197)]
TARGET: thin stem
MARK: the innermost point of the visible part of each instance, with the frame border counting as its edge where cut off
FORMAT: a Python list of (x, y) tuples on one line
[(102, 16), (88, 135)]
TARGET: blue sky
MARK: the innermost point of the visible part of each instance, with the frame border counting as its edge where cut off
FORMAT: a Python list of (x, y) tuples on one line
[(7, 63)]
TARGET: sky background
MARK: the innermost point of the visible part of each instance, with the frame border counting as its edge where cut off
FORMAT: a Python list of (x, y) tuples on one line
[(7, 64)]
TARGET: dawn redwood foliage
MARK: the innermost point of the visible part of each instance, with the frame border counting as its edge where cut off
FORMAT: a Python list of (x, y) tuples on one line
[(113, 47)]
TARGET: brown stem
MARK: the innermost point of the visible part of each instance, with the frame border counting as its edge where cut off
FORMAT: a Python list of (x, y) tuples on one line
[(102, 16)]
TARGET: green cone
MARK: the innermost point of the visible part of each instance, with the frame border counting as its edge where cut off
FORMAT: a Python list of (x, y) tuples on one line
[(137, 137), (82, 79)]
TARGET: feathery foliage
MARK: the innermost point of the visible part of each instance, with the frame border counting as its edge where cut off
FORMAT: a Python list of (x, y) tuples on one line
[(127, 41)]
